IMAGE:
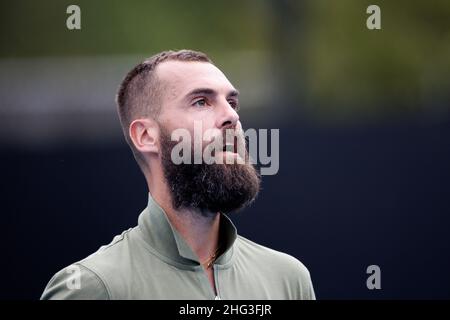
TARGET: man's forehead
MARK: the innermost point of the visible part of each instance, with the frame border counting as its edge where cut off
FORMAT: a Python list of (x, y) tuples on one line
[(180, 77)]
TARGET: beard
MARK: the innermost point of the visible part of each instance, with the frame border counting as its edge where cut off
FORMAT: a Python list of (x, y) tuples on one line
[(209, 188)]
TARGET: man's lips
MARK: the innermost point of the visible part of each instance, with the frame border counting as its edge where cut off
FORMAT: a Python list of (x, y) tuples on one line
[(231, 147)]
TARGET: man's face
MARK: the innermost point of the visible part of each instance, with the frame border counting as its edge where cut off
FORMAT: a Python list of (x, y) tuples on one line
[(196, 92), (193, 93)]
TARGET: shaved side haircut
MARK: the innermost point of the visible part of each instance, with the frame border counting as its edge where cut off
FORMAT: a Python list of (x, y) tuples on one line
[(139, 94)]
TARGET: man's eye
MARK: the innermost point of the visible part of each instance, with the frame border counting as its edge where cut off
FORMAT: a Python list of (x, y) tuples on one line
[(200, 103), (234, 104)]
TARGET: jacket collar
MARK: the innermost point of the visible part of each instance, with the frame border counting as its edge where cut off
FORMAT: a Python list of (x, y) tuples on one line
[(158, 232)]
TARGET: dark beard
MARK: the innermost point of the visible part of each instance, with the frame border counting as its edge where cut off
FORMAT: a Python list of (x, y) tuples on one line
[(211, 188)]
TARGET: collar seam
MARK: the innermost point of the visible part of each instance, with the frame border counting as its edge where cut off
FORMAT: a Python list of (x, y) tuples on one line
[(163, 257)]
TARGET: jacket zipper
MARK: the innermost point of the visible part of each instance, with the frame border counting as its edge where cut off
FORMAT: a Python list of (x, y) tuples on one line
[(216, 281)]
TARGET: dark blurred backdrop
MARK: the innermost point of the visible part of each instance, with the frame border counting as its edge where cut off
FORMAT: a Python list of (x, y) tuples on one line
[(364, 133)]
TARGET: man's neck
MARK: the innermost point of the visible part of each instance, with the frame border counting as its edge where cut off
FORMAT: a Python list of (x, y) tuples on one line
[(200, 230)]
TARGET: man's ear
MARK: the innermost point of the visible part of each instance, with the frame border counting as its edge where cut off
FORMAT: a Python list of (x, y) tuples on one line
[(145, 135)]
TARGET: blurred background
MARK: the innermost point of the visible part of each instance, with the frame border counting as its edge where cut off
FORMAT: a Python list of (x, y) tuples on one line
[(364, 133)]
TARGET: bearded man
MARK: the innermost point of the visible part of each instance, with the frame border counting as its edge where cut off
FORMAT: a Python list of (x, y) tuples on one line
[(184, 246)]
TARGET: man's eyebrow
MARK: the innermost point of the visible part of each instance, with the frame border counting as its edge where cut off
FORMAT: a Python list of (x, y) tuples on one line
[(209, 91), (233, 93)]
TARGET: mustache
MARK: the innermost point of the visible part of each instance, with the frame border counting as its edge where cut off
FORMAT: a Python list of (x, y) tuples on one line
[(229, 136), (229, 140), (212, 146)]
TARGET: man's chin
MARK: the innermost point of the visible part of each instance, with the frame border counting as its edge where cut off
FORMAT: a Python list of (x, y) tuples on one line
[(216, 187), (229, 157)]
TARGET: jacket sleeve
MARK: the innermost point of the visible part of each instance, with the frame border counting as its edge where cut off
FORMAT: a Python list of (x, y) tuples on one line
[(75, 282), (304, 282)]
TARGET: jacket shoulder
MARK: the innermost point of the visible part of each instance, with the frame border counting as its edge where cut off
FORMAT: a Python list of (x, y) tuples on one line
[(279, 266), (75, 282), (90, 278)]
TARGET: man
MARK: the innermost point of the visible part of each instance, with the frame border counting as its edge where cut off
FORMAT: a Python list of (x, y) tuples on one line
[(184, 246)]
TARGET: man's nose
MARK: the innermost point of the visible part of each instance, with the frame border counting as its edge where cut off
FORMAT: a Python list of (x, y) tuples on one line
[(228, 117)]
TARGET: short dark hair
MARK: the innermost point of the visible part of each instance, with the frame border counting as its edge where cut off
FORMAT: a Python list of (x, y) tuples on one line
[(139, 94)]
